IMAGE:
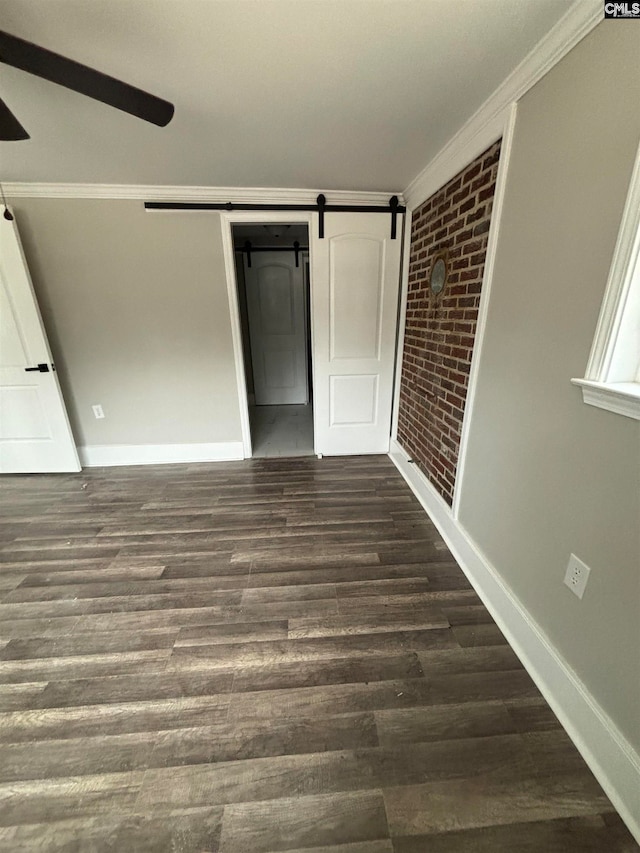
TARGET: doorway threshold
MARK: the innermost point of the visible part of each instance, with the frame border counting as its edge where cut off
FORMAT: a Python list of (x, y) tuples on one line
[(281, 431)]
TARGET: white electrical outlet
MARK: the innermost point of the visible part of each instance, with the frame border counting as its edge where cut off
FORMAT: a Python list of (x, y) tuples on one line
[(97, 411), (577, 575)]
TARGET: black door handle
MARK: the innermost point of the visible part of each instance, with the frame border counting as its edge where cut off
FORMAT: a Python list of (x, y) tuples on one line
[(42, 367)]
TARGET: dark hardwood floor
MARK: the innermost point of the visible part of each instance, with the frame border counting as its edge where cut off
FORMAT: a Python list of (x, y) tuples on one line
[(265, 656)]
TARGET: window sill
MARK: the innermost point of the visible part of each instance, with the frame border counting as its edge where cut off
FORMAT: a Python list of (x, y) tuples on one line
[(623, 398)]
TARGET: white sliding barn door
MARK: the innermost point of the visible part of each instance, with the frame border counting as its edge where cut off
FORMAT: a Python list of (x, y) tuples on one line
[(354, 281), (35, 436), (276, 307)]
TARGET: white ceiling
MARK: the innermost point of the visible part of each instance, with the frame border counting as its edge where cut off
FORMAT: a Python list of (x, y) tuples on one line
[(331, 94)]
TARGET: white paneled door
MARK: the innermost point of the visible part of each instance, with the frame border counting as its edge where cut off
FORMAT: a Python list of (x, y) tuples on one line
[(355, 280), (35, 436), (276, 306)]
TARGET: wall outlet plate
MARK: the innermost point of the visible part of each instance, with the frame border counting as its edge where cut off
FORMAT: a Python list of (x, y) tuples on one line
[(97, 411), (577, 575)]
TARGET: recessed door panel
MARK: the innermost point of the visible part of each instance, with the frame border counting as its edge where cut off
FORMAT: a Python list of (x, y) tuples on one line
[(357, 284), (279, 369), (22, 416), (354, 400), (13, 352), (276, 295)]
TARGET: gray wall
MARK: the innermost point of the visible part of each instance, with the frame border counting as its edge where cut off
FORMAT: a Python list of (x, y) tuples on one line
[(135, 305), (547, 475)]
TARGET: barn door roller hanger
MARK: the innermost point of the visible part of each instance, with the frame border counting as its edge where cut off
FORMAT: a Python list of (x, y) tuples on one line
[(249, 248)]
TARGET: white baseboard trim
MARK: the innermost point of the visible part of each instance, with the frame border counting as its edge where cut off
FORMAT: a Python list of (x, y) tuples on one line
[(611, 758), (99, 455)]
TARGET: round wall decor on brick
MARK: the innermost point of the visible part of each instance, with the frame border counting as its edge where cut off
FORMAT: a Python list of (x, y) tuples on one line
[(439, 272)]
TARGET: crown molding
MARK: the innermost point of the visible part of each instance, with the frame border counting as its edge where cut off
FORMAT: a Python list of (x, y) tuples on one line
[(487, 124), (237, 195)]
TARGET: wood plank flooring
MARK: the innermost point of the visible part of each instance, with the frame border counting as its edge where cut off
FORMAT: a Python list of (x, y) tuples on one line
[(274, 655)]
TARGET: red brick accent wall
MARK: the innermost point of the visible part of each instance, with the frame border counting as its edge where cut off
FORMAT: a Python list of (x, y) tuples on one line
[(440, 330)]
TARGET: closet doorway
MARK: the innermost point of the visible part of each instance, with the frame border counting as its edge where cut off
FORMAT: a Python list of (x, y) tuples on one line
[(273, 291)]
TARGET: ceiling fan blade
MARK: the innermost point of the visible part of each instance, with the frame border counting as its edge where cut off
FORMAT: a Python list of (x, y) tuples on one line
[(80, 78), (10, 127)]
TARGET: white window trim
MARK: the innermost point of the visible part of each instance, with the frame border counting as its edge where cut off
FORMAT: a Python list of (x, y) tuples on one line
[(608, 384)]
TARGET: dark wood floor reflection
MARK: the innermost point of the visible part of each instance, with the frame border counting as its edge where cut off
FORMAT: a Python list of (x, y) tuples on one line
[(264, 656)]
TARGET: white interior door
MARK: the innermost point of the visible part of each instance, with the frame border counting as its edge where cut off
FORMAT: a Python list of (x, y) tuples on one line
[(35, 435), (355, 274), (276, 307)]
